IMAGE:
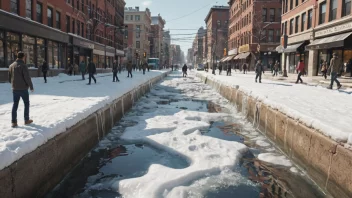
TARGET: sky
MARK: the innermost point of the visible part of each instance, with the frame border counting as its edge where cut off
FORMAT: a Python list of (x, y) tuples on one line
[(179, 14)]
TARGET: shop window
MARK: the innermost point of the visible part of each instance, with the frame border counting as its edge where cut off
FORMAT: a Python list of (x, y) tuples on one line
[(303, 21), (310, 18), (297, 24), (29, 9), (39, 12), (2, 51), (14, 6), (40, 51), (333, 10), (346, 7), (322, 11), (13, 47), (50, 17), (58, 20), (28, 50)]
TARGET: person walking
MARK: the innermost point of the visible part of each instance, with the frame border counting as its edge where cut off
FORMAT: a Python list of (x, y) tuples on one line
[(276, 68), (20, 82), (259, 70), (324, 69), (91, 71), (145, 65), (244, 67), (335, 69), (220, 68), (228, 73), (45, 69), (300, 70), (184, 70), (114, 72), (129, 69), (70, 69), (82, 69)]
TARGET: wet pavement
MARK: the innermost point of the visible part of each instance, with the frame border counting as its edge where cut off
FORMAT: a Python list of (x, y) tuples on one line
[(114, 160)]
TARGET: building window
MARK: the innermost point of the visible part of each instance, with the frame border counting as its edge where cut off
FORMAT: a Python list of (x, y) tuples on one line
[(296, 3), (297, 24), (138, 44), (286, 6), (39, 12), (73, 26), (82, 6), (82, 29), (346, 8), (333, 10), (14, 6), (303, 21), (250, 17), (291, 26), (322, 11), (50, 17), (278, 36), (291, 4), (127, 17), (58, 20), (78, 28), (68, 25), (272, 14), (264, 14), (138, 18), (310, 19), (131, 17), (270, 36), (285, 32), (77, 5), (29, 9), (138, 31)]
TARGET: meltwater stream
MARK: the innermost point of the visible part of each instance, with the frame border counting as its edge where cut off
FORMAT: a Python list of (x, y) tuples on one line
[(192, 145)]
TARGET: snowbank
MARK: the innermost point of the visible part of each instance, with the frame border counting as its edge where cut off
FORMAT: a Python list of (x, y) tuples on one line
[(317, 107), (56, 106)]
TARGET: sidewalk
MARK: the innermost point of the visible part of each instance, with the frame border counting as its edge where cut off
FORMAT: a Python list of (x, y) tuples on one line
[(327, 111), (56, 106)]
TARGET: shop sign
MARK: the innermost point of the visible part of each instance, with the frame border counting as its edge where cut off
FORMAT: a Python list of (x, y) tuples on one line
[(243, 48), (299, 38), (335, 29), (83, 44)]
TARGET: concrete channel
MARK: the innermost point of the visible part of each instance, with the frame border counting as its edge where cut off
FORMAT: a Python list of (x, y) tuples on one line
[(39, 171), (326, 161)]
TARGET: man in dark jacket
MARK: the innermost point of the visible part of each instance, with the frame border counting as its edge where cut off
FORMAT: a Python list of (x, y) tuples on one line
[(82, 69), (45, 69), (114, 72), (229, 70), (335, 69), (129, 69), (259, 70), (20, 81), (184, 70), (91, 71), (145, 65)]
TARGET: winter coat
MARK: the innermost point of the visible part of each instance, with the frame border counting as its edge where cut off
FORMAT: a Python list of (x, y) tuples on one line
[(19, 76), (145, 66), (244, 66), (276, 66), (91, 68), (334, 65), (259, 68), (45, 67), (184, 68), (129, 66), (300, 67), (114, 67), (82, 67)]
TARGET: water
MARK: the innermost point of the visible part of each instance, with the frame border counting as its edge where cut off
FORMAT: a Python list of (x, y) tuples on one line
[(114, 160)]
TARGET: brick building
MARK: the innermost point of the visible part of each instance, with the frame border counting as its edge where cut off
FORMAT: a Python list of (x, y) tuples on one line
[(254, 31), (199, 50), (156, 38), (217, 30), (61, 32), (315, 30)]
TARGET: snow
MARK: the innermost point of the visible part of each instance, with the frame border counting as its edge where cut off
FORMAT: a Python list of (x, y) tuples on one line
[(56, 106), (317, 107), (275, 158)]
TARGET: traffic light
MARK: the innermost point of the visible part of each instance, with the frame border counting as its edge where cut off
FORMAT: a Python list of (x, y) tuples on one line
[(225, 52), (144, 54)]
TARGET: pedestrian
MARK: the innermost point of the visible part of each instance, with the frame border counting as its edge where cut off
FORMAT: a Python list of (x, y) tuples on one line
[(324, 69), (335, 69), (184, 70), (20, 82), (91, 71), (82, 69), (129, 69), (300, 70), (220, 68), (114, 72), (228, 70), (244, 67), (45, 69), (75, 69), (144, 66), (172, 67), (259, 70), (276, 68)]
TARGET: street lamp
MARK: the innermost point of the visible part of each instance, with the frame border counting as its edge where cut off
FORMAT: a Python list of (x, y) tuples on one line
[(216, 43)]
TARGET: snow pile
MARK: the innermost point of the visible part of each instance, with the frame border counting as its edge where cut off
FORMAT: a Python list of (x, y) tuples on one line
[(274, 158), (56, 106), (316, 107)]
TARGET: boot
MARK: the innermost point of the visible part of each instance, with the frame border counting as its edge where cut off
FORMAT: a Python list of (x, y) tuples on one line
[(27, 122), (14, 125)]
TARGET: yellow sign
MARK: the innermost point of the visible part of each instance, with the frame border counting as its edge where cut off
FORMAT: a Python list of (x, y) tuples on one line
[(243, 48)]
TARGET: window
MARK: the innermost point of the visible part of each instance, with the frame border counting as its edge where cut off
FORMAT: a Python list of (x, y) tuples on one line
[(296, 3), (286, 6), (297, 24), (73, 26), (279, 14), (82, 29), (285, 32), (291, 26), (131, 17), (333, 10), (137, 17), (138, 44), (270, 36), (127, 17), (29, 9), (82, 6), (58, 20), (68, 25), (272, 14), (310, 19), (50, 17), (39, 12), (14, 6), (322, 11), (138, 32), (250, 17), (346, 7), (303, 21), (78, 28), (291, 4), (278, 36), (77, 4), (264, 14)]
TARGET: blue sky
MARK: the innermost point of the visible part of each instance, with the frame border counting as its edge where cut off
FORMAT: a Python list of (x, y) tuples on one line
[(170, 10)]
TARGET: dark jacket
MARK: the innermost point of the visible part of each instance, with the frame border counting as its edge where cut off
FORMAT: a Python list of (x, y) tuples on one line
[(129, 66), (114, 67), (91, 68), (259, 68), (334, 65), (82, 67), (184, 68), (19, 76), (45, 67)]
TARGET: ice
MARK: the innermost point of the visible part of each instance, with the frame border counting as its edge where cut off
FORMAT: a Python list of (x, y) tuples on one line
[(294, 169), (317, 107), (56, 106), (275, 158)]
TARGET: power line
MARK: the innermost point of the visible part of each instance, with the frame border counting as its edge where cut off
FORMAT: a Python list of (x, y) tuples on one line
[(189, 13)]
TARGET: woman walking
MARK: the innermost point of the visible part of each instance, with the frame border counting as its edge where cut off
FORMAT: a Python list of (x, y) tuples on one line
[(45, 69)]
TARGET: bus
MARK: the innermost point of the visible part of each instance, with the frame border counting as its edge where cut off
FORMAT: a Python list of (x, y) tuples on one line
[(153, 63)]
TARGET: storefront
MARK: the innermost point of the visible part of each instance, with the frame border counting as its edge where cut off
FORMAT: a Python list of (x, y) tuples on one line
[(295, 53), (110, 55), (80, 50), (99, 55)]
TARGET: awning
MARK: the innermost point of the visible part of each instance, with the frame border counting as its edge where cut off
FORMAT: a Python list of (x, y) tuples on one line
[(237, 57), (293, 48), (222, 60), (229, 58), (329, 42), (245, 55)]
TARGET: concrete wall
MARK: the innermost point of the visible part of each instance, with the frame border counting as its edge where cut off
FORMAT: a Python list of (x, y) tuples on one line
[(326, 162), (39, 171)]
